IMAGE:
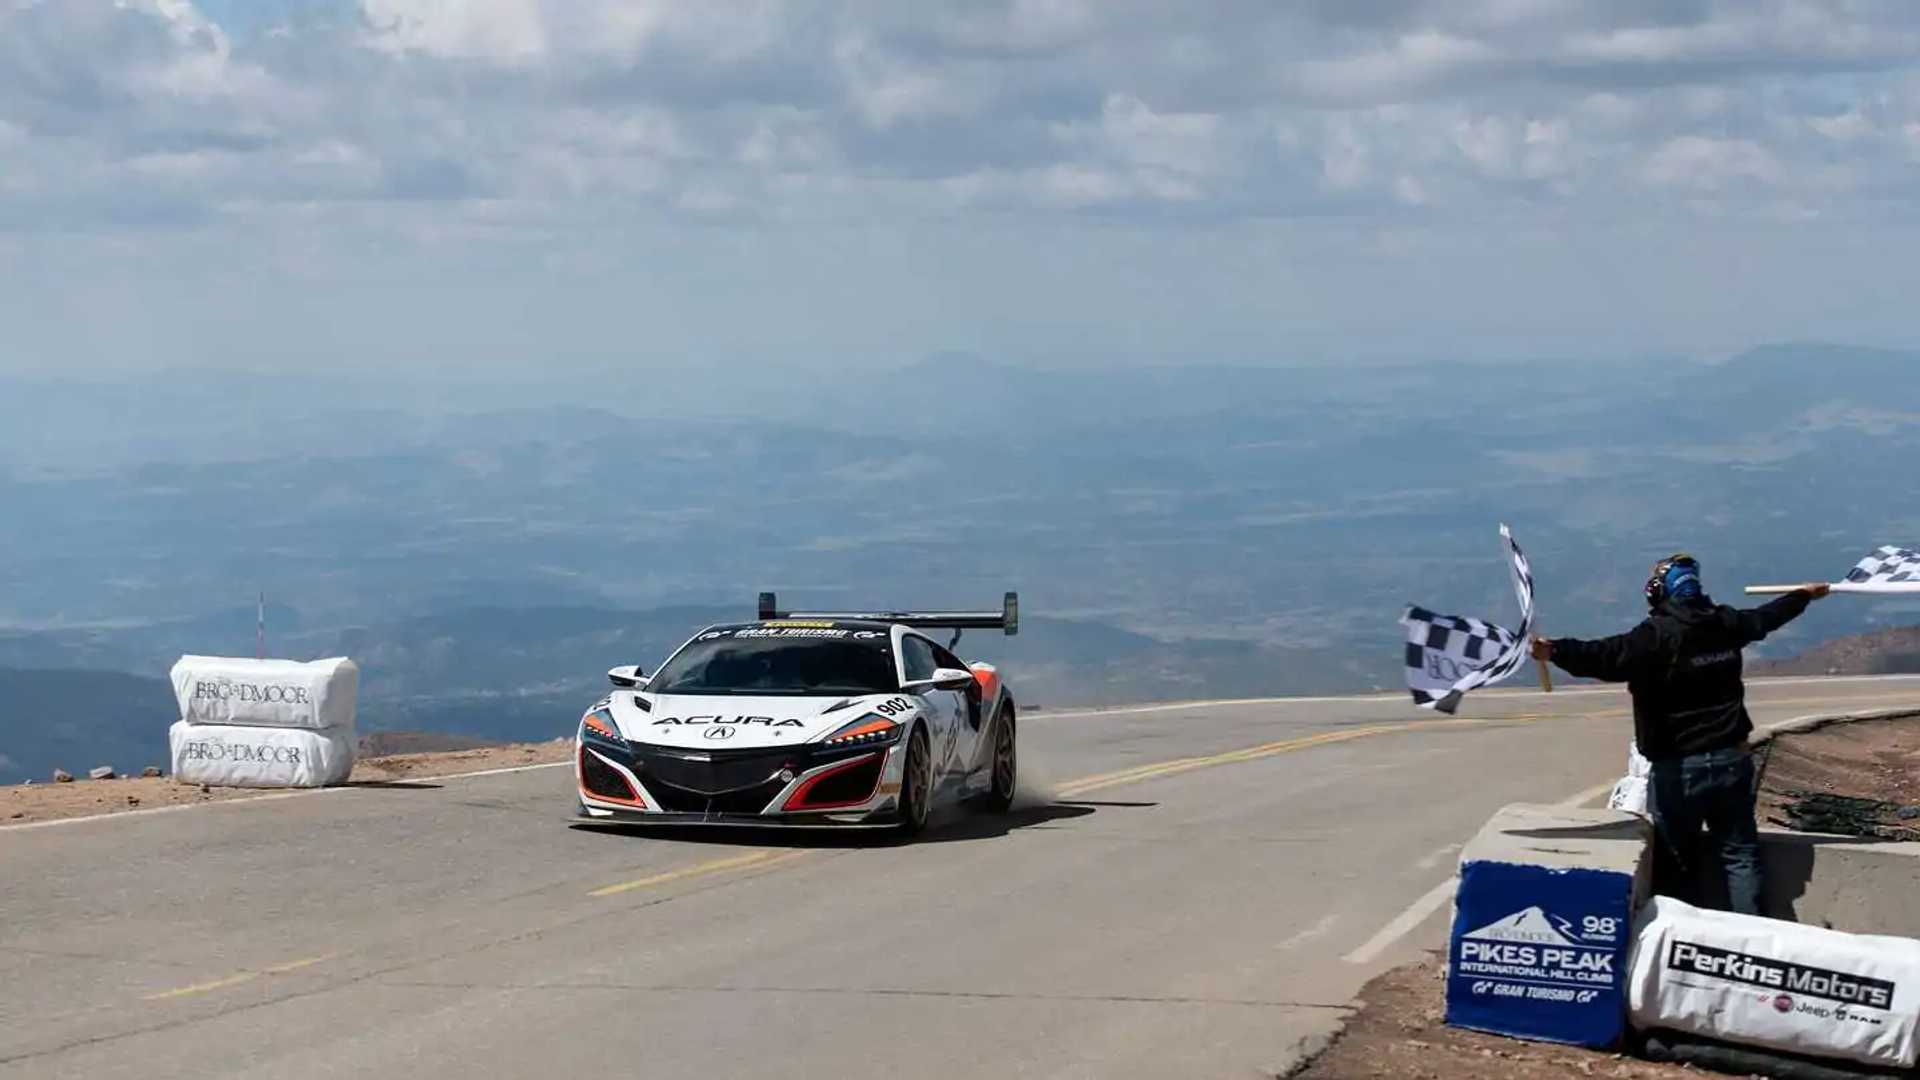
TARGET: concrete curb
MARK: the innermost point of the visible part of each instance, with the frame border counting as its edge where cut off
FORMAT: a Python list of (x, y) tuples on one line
[(1801, 724)]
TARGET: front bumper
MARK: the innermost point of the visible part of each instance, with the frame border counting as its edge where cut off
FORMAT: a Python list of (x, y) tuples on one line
[(759, 786), (599, 816)]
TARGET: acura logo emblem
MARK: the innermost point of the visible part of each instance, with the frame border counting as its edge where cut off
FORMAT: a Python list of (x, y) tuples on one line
[(719, 733)]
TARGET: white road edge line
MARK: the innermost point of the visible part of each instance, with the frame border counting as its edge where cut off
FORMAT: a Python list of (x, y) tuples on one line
[(1417, 913), (1403, 924), (419, 781)]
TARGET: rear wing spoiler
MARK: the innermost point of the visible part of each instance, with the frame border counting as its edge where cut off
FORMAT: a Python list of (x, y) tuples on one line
[(1007, 619)]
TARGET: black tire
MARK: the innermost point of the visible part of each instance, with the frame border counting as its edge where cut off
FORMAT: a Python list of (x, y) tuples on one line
[(916, 785), (1006, 762)]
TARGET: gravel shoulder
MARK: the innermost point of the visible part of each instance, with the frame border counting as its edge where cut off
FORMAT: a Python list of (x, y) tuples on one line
[(1873, 760), (1399, 1033), (27, 803)]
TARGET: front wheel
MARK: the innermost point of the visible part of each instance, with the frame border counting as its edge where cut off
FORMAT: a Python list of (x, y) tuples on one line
[(916, 785), (1006, 763)]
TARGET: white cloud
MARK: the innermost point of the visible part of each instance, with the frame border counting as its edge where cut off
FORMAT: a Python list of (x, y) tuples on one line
[(1176, 142), (1343, 161), (420, 128), (1703, 164), (885, 90), (497, 31), (1845, 127), (1411, 64)]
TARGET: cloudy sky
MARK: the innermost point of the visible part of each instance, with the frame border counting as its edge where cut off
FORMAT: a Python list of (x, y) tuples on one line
[(520, 185)]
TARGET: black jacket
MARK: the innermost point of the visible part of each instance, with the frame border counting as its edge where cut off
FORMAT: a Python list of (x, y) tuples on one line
[(1683, 668)]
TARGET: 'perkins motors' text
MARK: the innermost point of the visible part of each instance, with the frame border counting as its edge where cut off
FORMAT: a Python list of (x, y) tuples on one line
[(1686, 956)]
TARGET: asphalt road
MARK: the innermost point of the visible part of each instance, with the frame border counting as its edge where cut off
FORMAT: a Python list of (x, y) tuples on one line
[(1193, 891)]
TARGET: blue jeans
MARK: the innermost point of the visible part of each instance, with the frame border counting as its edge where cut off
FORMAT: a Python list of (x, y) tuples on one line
[(1715, 790)]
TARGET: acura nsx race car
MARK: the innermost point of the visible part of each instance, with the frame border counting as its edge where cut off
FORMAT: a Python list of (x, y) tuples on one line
[(830, 718)]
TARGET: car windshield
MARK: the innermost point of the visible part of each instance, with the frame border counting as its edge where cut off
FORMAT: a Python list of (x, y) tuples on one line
[(771, 665)]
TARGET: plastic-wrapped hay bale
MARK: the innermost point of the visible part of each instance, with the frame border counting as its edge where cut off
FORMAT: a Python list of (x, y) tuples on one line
[(1774, 984), (315, 695), (231, 755)]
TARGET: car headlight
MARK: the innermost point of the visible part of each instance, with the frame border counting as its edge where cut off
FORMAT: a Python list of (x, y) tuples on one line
[(598, 723), (870, 730)]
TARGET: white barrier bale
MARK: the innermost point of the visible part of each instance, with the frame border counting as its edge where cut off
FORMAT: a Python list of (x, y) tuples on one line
[(1629, 794), (1780, 985), (1638, 767), (267, 693), (236, 756)]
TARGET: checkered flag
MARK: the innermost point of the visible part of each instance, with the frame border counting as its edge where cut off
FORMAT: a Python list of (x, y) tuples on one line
[(1448, 655), (1888, 566)]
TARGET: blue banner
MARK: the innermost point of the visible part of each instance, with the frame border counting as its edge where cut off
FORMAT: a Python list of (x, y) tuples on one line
[(1540, 953)]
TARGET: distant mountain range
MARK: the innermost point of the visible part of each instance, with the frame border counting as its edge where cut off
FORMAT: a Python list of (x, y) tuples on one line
[(1894, 651), (487, 551)]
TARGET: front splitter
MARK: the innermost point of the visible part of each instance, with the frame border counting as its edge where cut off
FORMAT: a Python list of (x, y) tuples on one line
[(737, 821)]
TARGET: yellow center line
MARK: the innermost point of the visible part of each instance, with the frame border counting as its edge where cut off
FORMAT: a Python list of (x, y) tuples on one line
[(201, 988), (296, 965), (762, 857), (1086, 784), (237, 978)]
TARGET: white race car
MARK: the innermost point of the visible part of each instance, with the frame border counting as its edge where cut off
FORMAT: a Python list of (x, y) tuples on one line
[(828, 718)]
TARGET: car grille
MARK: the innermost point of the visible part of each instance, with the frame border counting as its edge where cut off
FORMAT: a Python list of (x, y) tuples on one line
[(728, 782)]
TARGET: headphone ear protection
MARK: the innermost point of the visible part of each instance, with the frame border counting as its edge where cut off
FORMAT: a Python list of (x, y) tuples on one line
[(1657, 584)]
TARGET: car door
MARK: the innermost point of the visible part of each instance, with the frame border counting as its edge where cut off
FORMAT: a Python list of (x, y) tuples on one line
[(945, 710), (970, 729)]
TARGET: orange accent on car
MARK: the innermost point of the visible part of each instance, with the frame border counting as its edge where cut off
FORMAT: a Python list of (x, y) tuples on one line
[(989, 679), (580, 768), (863, 729), (798, 800)]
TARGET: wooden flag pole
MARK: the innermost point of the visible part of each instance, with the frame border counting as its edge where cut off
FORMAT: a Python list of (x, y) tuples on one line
[(1883, 587)]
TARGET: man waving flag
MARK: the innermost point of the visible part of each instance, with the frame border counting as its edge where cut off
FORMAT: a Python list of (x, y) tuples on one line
[(1448, 655)]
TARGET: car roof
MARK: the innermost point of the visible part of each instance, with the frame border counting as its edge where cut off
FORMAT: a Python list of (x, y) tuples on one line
[(804, 624)]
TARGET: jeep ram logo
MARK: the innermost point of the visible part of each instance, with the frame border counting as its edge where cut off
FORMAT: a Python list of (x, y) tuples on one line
[(733, 721)]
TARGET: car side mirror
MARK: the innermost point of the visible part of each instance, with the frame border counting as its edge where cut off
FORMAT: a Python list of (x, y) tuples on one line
[(948, 678), (627, 677)]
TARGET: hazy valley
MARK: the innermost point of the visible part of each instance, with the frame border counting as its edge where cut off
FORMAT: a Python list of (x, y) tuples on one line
[(1218, 531)]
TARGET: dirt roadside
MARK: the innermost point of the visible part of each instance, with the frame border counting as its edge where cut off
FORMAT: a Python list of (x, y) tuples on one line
[(1873, 760), (1399, 1033), (25, 803)]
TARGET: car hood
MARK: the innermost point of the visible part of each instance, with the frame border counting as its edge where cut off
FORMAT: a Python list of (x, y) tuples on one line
[(690, 719)]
